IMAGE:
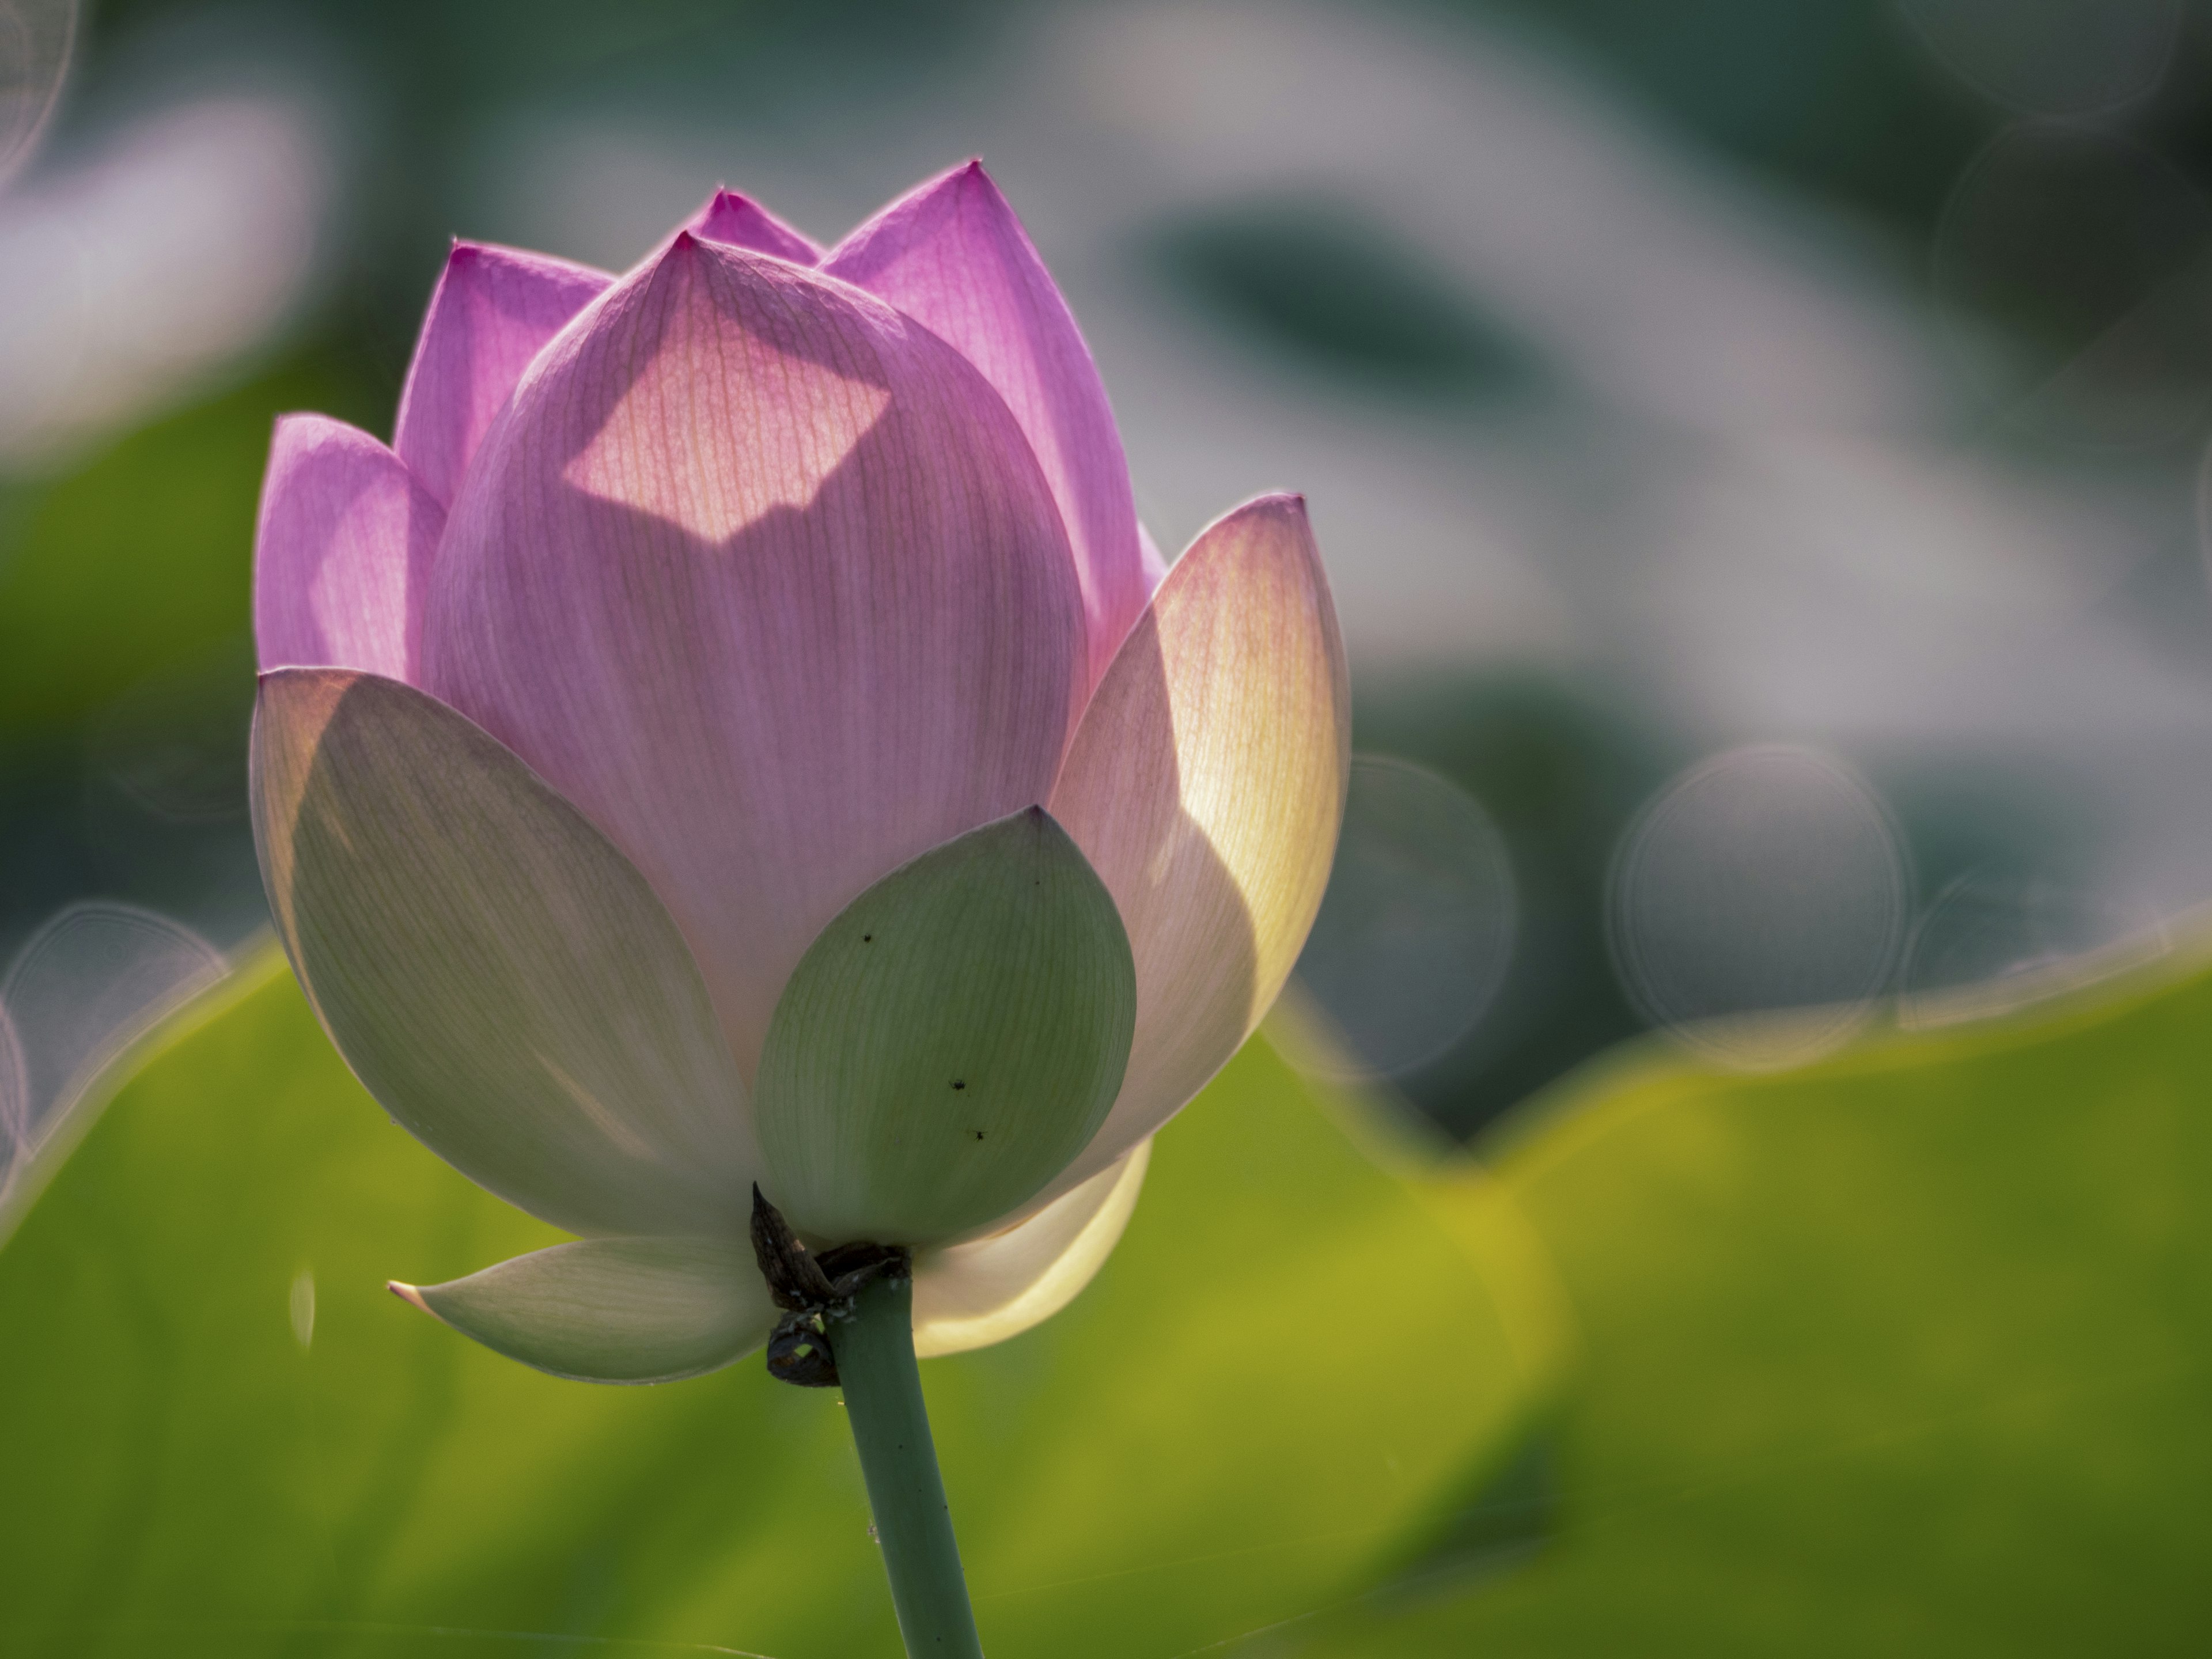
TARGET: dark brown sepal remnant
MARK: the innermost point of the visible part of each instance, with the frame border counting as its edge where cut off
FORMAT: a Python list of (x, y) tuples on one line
[(796, 1282), (814, 1293), (799, 1352)]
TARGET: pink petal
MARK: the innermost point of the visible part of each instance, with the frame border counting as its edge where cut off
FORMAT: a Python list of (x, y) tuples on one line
[(342, 552), (762, 575), (494, 310), (952, 256), (1205, 785), (740, 222)]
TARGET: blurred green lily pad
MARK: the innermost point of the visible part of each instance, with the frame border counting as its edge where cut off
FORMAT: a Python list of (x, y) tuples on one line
[(225, 1438), (1904, 1353)]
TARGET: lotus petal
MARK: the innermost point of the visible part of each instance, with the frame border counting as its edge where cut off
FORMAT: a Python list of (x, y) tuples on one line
[(762, 575), (951, 255), (1206, 785), (342, 553), (613, 1309), (971, 1295), (494, 310), (743, 222), (494, 972), (953, 1038)]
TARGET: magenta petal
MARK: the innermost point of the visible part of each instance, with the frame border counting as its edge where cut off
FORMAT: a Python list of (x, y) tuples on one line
[(342, 552), (494, 310), (740, 222), (762, 575), (952, 256)]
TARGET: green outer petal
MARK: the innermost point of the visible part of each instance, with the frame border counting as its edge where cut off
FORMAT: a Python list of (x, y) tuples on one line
[(613, 1309), (498, 976), (950, 1040)]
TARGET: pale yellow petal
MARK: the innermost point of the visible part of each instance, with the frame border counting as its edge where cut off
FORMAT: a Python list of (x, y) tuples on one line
[(1206, 785), (970, 1296)]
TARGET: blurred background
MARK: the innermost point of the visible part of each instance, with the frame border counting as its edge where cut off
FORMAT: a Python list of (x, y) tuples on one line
[(1755, 444), (1758, 448)]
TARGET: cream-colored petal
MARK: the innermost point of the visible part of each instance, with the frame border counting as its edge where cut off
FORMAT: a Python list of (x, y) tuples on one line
[(1206, 785), (970, 1296), (613, 1309)]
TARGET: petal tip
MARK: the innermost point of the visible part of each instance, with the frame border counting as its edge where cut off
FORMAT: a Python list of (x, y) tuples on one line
[(735, 220), (971, 175), (411, 1294)]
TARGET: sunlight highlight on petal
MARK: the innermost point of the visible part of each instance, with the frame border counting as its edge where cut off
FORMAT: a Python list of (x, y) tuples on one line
[(1206, 785)]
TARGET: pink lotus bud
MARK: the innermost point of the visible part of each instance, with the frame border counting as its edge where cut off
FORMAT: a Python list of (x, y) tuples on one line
[(740, 733)]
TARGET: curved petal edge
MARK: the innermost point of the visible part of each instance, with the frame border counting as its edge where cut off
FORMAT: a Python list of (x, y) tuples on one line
[(342, 552), (1206, 785), (492, 311), (739, 220), (951, 255), (952, 1040), (498, 974), (612, 1310), (974, 1294)]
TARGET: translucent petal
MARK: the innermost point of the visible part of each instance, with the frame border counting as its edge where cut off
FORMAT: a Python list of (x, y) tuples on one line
[(971, 1295), (1206, 785), (953, 1038), (494, 972), (613, 1309)]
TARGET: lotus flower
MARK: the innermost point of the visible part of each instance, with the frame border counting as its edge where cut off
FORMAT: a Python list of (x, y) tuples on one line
[(738, 733)]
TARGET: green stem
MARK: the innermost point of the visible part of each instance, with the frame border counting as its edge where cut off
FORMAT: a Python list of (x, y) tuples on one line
[(874, 1351)]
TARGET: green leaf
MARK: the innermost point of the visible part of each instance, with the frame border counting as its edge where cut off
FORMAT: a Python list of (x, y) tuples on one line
[(614, 1310), (501, 977), (1904, 1353), (1286, 1371), (950, 1042)]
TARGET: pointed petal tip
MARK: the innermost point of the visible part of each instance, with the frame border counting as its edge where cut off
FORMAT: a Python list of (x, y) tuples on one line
[(734, 219), (971, 175), (681, 252), (411, 1294)]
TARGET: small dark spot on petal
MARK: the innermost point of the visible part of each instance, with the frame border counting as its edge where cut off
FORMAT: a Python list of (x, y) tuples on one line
[(959, 1083), (868, 939), (979, 1134)]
